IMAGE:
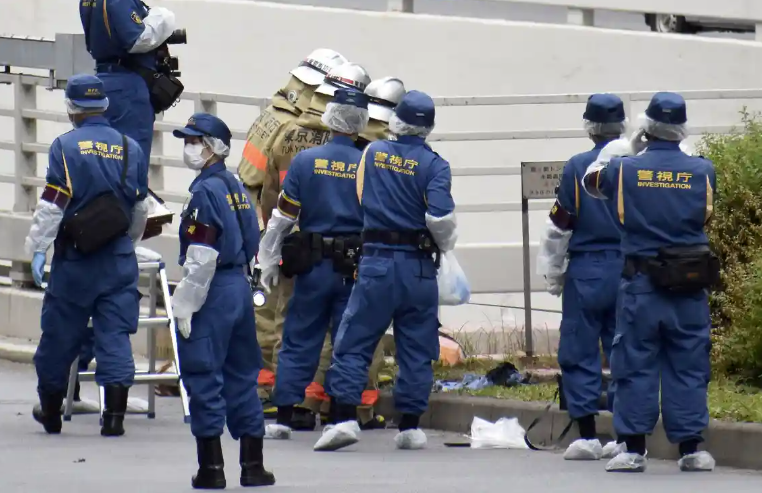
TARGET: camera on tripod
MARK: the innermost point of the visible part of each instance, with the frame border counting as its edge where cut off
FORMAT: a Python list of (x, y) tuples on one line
[(165, 63)]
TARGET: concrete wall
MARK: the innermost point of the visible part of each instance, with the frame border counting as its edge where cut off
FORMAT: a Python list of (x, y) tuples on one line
[(239, 47)]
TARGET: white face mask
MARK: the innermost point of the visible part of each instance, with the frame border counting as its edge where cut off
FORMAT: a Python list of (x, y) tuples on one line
[(192, 156)]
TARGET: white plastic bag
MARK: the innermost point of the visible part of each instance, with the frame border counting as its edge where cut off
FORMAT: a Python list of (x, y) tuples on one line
[(504, 433), (453, 285)]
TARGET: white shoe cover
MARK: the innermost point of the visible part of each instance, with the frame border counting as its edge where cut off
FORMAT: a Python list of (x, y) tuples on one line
[(582, 449), (414, 439), (612, 449), (339, 436), (85, 406), (627, 462), (698, 461), (277, 432)]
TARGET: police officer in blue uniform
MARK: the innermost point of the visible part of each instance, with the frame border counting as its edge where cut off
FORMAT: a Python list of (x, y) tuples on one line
[(122, 36), (219, 354), (585, 231), (404, 191), (663, 199), (319, 192), (93, 207)]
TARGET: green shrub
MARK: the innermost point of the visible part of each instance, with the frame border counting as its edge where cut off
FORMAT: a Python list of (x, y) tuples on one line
[(735, 233)]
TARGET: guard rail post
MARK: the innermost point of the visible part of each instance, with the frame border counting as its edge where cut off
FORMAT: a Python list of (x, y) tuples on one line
[(580, 17), (25, 129), (156, 171), (405, 6)]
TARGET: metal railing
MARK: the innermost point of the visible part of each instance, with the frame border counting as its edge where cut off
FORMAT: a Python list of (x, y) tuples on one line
[(582, 12), (25, 147)]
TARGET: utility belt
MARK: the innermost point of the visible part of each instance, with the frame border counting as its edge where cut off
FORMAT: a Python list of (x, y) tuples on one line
[(301, 251), (420, 239), (163, 89), (680, 270)]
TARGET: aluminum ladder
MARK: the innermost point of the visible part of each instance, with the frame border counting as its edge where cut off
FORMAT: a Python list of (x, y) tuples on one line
[(157, 279)]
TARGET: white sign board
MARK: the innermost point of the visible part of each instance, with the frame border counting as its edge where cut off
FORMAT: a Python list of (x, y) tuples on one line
[(540, 179)]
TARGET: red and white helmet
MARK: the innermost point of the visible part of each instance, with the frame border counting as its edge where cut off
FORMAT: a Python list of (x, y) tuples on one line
[(313, 69), (346, 76)]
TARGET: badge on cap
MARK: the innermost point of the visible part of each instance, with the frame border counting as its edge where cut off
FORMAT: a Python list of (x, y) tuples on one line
[(191, 122)]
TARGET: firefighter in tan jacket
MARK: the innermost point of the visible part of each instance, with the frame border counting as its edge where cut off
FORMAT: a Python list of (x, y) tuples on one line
[(287, 104)]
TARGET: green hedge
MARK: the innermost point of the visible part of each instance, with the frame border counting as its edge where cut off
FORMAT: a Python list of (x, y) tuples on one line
[(735, 233)]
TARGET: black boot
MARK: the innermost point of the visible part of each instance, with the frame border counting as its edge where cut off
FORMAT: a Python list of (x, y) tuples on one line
[(302, 419), (253, 471), (48, 414), (77, 397), (211, 465), (115, 407)]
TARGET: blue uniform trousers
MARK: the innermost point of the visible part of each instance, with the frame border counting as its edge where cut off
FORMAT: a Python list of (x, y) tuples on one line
[(661, 338), (129, 112), (589, 316), (318, 302), (396, 286), (129, 104), (220, 361), (64, 331)]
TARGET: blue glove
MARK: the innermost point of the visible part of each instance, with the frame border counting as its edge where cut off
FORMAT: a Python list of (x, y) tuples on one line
[(38, 267)]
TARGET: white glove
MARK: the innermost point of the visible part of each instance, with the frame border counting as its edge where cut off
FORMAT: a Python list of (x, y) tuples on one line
[(269, 277), (184, 327), (554, 285), (637, 143)]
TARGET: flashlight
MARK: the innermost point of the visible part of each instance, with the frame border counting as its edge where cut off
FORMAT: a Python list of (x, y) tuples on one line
[(258, 295)]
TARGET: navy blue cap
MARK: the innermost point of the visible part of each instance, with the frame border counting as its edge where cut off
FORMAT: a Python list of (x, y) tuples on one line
[(351, 97), (416, 108), (604, 108), (667, 107), (200, 124), (86, 91)]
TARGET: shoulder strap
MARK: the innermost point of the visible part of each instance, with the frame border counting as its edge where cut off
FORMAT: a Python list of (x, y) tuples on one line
[(124, 161), (238, 218)]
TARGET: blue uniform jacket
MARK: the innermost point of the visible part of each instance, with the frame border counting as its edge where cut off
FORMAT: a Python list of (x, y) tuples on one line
[(111, 28), (321, 187), (593, 221), (83, 164), (210, 218), (663, 198), (400, 181)]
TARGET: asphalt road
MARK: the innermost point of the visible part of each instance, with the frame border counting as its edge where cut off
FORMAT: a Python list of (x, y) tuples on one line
[(159, 457), (490, 9)]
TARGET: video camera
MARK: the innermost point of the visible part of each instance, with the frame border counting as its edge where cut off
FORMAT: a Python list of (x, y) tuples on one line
[(165, 63)]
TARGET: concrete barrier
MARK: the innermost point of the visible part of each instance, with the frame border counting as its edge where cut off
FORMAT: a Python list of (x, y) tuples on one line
[(731, 444)]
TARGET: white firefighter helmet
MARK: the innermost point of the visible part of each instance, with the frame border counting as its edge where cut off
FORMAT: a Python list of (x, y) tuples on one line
[(347, 76), (385, 94), (313, 69)]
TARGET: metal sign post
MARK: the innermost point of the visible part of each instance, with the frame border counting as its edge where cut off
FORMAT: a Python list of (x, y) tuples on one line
[(539, 180)]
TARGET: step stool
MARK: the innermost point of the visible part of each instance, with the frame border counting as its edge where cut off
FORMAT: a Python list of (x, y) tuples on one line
[(155, 272)]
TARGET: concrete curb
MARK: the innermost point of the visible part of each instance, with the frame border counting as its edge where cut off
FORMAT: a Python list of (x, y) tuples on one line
[(17, 352), (732, 444)]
